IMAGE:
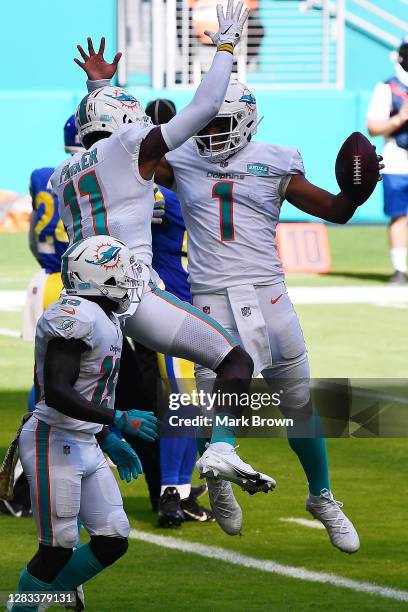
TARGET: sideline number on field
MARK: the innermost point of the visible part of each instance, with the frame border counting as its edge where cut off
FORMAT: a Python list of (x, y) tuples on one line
[(304, 247)]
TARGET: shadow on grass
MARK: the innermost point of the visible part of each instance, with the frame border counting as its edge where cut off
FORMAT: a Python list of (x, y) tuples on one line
[(368, 276), (139, 510)]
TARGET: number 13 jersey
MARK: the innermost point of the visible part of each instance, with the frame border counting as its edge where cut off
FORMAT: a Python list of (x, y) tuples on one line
[(231, 210)]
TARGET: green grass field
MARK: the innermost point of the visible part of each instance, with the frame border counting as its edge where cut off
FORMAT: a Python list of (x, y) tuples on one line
[(369, 476)]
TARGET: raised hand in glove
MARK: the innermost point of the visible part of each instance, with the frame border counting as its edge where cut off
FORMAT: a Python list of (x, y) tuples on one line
[(122, 455), (137, 423), (231, 25)]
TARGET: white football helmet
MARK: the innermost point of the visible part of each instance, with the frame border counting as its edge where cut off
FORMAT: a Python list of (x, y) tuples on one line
[(238, 121), (102, 266), (106, 109)]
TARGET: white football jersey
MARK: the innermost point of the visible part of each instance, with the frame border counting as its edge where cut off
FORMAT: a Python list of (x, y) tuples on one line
[(231, 210), (100, 191), (75, 317)]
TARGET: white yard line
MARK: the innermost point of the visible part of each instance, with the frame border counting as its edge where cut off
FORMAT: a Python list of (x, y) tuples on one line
[(11, 333), (303, 522), (377, 295), (12, 301), (301, 573)]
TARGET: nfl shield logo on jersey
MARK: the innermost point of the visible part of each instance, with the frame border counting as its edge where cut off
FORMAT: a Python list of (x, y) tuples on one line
[(66, 449), (246, 311), (206, 310)]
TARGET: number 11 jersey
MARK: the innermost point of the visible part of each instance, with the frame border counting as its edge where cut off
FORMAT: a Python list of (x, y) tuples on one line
[(100, 191)]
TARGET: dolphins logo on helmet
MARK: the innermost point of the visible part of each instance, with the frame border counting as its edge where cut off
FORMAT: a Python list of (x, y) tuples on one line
[(107, 257), (125, 98)]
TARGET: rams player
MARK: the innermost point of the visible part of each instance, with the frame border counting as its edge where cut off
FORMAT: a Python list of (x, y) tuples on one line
[(77, 356), (108, 190)]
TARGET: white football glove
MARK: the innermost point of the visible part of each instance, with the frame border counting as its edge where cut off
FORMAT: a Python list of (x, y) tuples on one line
[(231, 25)]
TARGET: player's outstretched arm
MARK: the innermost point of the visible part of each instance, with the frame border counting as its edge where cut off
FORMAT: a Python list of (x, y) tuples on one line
[(61, 370), (321, 203), (208, 98)]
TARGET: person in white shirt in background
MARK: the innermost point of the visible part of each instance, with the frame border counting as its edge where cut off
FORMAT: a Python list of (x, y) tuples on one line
[(388, 116)]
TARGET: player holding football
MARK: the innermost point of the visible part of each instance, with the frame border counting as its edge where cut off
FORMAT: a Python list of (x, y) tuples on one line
[(231, 190), (77, 355), (108, 190)]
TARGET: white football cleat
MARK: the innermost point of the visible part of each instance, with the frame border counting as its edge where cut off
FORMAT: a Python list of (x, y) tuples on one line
[(221, 462), (226, 510), (328, 511)]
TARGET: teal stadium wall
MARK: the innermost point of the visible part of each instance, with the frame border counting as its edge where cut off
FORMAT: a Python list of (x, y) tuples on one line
[(41, 86)]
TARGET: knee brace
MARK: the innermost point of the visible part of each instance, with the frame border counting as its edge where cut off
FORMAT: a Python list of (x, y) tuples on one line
[(48, 561), (108, 549)]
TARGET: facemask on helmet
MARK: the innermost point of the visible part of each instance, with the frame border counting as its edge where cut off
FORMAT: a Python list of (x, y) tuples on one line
[(233, 127), (108, 108), (71, 137), (102, 266)]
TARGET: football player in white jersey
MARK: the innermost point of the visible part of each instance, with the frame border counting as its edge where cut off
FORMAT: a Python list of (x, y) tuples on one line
[(77, 355), (108, 190), (231, 190)]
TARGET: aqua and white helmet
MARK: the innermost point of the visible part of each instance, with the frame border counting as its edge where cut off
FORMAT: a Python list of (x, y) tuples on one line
[(102, 266), (108, 108), (238, 120)]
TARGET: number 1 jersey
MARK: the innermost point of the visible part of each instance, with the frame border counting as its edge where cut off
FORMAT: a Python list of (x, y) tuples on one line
[(101, 191), (231, 210)]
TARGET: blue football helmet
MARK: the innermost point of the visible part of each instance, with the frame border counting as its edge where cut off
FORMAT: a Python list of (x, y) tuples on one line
[(71, 139)]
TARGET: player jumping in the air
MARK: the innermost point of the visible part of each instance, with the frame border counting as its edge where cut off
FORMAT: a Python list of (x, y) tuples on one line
[(108, 190), (231, 190), (77, 355)]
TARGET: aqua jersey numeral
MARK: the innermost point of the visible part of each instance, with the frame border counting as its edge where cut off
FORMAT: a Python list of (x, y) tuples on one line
[(88, 186), (224, 192), (109, 370), (71, 200)]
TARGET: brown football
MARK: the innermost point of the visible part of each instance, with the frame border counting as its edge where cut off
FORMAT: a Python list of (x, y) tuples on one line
[(357, 168)]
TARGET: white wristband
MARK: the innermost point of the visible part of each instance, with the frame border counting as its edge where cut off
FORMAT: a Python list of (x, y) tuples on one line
[(92, 85)]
